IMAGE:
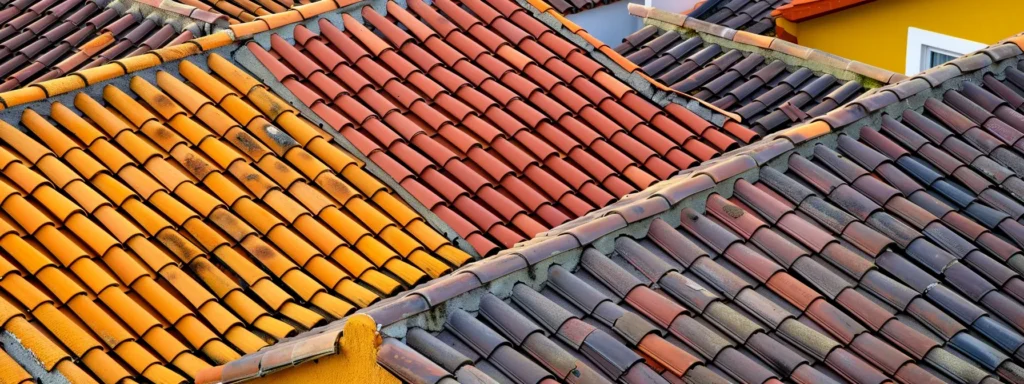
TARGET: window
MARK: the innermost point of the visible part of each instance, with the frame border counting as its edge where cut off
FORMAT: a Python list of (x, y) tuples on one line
[(937, 56), (927, 49)]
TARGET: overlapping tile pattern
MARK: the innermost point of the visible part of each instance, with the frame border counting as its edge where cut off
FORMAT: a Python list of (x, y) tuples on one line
[(767, 93), (567, 7), (186, 220), (754, 16), (790, 86), (893, 256), (727, 295), (239, 11), (47, 39), (492, 120)]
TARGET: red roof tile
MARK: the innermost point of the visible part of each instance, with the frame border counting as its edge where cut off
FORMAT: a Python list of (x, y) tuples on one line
[(487, 120), (886, 252)]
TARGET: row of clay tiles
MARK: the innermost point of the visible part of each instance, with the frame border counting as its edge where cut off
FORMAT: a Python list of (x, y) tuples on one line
[(929, 231), (119, 67), (265, 361), (258, 222)]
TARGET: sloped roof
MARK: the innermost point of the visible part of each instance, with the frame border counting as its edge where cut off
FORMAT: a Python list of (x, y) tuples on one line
[(878, 242), (754, 16), (489, 117), (770, 83), (185, 217), (568, 7), (43, 40)]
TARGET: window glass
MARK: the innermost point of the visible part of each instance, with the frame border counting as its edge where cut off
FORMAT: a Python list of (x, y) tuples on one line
[(936, 58)]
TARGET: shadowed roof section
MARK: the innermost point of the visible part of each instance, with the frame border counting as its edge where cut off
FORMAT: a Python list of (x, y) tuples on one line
[(43, 40), (493, 120), (189, 217), (568, 7), (878, 242), (770, 83), (754, 16)]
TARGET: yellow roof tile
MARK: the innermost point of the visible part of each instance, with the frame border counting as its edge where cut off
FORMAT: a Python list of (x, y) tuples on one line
[(59, 173), (30, 149), (10, 371), (86, 165), (195, 188), (47, 132), (43, 348), (26, 179), (238, 78), (225, 188)]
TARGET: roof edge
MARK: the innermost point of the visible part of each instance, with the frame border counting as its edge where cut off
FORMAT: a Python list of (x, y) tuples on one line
[(86, 77), (634, 212), (527, 262), (215, 20), (773, 44), (814, 9), (221, 37), (542, 7)]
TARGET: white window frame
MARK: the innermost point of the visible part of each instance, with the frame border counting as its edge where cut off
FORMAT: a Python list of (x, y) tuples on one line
[(920, 44)]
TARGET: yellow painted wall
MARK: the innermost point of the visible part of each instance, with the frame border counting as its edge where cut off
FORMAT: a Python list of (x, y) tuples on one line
[(356, 362), (876, 33)]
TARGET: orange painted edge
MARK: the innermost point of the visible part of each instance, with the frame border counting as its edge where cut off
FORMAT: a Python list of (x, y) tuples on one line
[(61, 85), (809, 10)]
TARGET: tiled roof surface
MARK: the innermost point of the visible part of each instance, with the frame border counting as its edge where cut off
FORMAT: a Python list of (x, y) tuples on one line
[(880, 242), (754, 16), (767, 92), (730, 295), (489, 117), (43, 40), (567, 7), (240, 11), (186, 219)]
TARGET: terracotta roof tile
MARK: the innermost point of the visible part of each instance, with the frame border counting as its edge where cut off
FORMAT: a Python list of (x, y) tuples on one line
[(888, 255), (51, 39), (763, 91), (496, 179), (217, 209)]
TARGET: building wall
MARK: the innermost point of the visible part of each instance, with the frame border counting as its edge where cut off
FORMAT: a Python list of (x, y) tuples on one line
[(609, 23), (876, 33)]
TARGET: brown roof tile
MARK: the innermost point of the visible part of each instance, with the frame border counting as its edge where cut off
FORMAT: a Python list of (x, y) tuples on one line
[(50, 39)]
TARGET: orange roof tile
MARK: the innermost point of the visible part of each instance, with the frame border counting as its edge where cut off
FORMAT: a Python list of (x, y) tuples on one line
[(201, 229)]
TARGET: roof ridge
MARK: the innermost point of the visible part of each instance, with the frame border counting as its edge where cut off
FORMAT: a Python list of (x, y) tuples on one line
[(542, 7), (765, 42), (689, 189), (219, 38), (86, 77), (215, 20), (293, 15)]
